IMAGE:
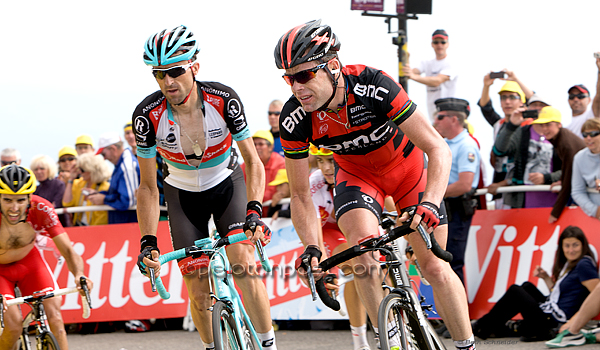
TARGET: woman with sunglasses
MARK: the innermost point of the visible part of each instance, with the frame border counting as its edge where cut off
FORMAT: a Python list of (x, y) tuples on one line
[(67, 162), (91, 176), (586, 170), (378, 138), (193, 124)]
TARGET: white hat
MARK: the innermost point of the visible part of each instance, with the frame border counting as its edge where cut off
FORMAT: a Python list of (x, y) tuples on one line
[(107, 139)]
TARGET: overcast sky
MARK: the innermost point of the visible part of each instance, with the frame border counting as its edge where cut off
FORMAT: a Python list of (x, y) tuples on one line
[(73, 67)]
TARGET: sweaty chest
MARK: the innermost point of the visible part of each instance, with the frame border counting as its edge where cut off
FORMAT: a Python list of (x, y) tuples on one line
[(19, 236)]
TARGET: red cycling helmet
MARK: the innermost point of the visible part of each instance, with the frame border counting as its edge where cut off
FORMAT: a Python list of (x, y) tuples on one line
[(304, 43)]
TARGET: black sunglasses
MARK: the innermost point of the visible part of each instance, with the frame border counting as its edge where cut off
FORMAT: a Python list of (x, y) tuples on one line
[(8, 163), (304, 76), (442, 116), (173, 72), (69, 159), (579, 96), (590, 133), (439, 42), (274, 113)]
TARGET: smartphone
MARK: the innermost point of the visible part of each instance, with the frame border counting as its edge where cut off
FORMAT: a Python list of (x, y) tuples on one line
[(495, 75), (85, 192), (532, 114), (597, 54)]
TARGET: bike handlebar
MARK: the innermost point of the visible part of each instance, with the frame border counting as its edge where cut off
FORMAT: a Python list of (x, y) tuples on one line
[(200, 247), (375, 244)]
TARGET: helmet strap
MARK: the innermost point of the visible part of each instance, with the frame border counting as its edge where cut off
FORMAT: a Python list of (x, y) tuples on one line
[(334, 83)]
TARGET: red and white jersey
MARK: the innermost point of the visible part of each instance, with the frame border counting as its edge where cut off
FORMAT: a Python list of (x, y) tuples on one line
[(322, 197)]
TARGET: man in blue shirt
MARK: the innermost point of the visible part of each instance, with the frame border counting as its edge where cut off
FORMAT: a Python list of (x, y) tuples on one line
[(464, 175), (124, 181)]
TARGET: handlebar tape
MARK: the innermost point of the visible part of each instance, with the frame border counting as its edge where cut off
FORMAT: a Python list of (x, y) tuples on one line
[(325, 297)]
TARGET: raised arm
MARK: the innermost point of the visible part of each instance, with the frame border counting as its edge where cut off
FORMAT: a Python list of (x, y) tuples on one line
[(596, 101)]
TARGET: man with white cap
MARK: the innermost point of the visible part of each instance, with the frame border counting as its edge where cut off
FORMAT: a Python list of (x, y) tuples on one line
[(124, 181)]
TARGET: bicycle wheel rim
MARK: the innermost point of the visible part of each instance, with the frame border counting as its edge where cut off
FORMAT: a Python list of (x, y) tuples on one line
[(225, 333), (48, 342), (410, 334), (247, 337), (390, 320)]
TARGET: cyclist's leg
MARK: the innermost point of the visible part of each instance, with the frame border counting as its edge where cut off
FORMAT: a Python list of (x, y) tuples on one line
[(358, 205), (241, 257), (453, 307), (188, 221), (57, 326), (12, 316)]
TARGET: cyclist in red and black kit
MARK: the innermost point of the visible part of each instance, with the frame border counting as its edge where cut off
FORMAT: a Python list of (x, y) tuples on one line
[(378, 137), (25, 220)]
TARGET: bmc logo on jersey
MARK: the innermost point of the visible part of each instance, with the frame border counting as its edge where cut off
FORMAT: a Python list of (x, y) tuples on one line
[(290, 122), (370, 91)]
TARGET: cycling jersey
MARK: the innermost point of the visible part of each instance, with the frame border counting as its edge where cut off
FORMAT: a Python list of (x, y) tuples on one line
[(43, 218), (224, 120), (366, 132)]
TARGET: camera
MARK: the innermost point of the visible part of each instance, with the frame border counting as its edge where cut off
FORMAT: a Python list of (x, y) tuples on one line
[(85, 192), (532, 114), (495, 75), (597, 54)]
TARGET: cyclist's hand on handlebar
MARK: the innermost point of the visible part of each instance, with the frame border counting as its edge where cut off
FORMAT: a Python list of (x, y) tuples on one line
[(149, 254), (331, 283), (254, 228), (426, 213), (313, 254), (88, 282)]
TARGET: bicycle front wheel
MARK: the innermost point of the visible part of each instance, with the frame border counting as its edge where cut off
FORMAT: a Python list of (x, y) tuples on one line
[(400, 328), (47, 341), (225, 333)]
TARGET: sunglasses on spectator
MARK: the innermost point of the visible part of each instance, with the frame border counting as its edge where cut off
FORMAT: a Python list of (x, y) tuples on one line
[(69, 159), (442, 116), (590, 133), (173, 72), (579, 96), (304, 76), (509, 97), (5, 163), (274, 113), (436, 42)]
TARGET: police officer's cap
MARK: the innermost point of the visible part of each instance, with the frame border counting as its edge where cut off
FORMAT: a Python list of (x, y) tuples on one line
[(453, 104)]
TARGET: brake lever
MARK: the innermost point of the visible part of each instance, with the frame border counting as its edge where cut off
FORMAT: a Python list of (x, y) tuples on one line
[(152, 277), (86, 290), (311, 279)]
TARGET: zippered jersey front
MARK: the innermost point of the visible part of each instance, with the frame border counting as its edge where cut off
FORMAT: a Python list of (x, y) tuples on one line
[(224, 121), (364, 131)]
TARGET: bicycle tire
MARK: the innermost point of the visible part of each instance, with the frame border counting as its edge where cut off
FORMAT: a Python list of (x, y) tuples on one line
[(48, 341), (225, 333), (395, 311)]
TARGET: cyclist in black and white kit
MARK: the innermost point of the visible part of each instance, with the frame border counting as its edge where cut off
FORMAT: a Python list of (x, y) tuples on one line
[(192, 124)]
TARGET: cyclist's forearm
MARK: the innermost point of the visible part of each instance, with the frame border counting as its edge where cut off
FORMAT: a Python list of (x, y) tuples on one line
[(305, 220), (148, 210), (438, 173)]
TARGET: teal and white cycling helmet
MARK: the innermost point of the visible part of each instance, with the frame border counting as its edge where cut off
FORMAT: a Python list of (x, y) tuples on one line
[(166, 47)]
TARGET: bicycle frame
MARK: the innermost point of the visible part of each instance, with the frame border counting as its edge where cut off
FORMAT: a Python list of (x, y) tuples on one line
[(222, 288)]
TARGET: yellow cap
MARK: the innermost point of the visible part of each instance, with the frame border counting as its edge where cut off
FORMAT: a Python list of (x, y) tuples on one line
[(84, 140), (548, 114), (67, 150), (513, 86), (280, 178), (264, 134), (128, 126)]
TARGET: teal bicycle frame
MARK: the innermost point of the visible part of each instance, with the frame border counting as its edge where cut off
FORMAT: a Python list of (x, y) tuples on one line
[(221, 284)]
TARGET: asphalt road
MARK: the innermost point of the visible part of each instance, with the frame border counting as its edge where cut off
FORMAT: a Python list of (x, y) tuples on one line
[(286, 340)]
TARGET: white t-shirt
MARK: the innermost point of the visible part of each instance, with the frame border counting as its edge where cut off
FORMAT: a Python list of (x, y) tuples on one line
[(432, 68), (577, 121)]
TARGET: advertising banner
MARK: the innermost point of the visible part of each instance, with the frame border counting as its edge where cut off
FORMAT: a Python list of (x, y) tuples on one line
[(367, 5), (503, 248)]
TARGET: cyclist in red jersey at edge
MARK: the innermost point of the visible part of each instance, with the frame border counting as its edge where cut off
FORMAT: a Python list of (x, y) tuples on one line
[(378, 137), (25, 218)]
